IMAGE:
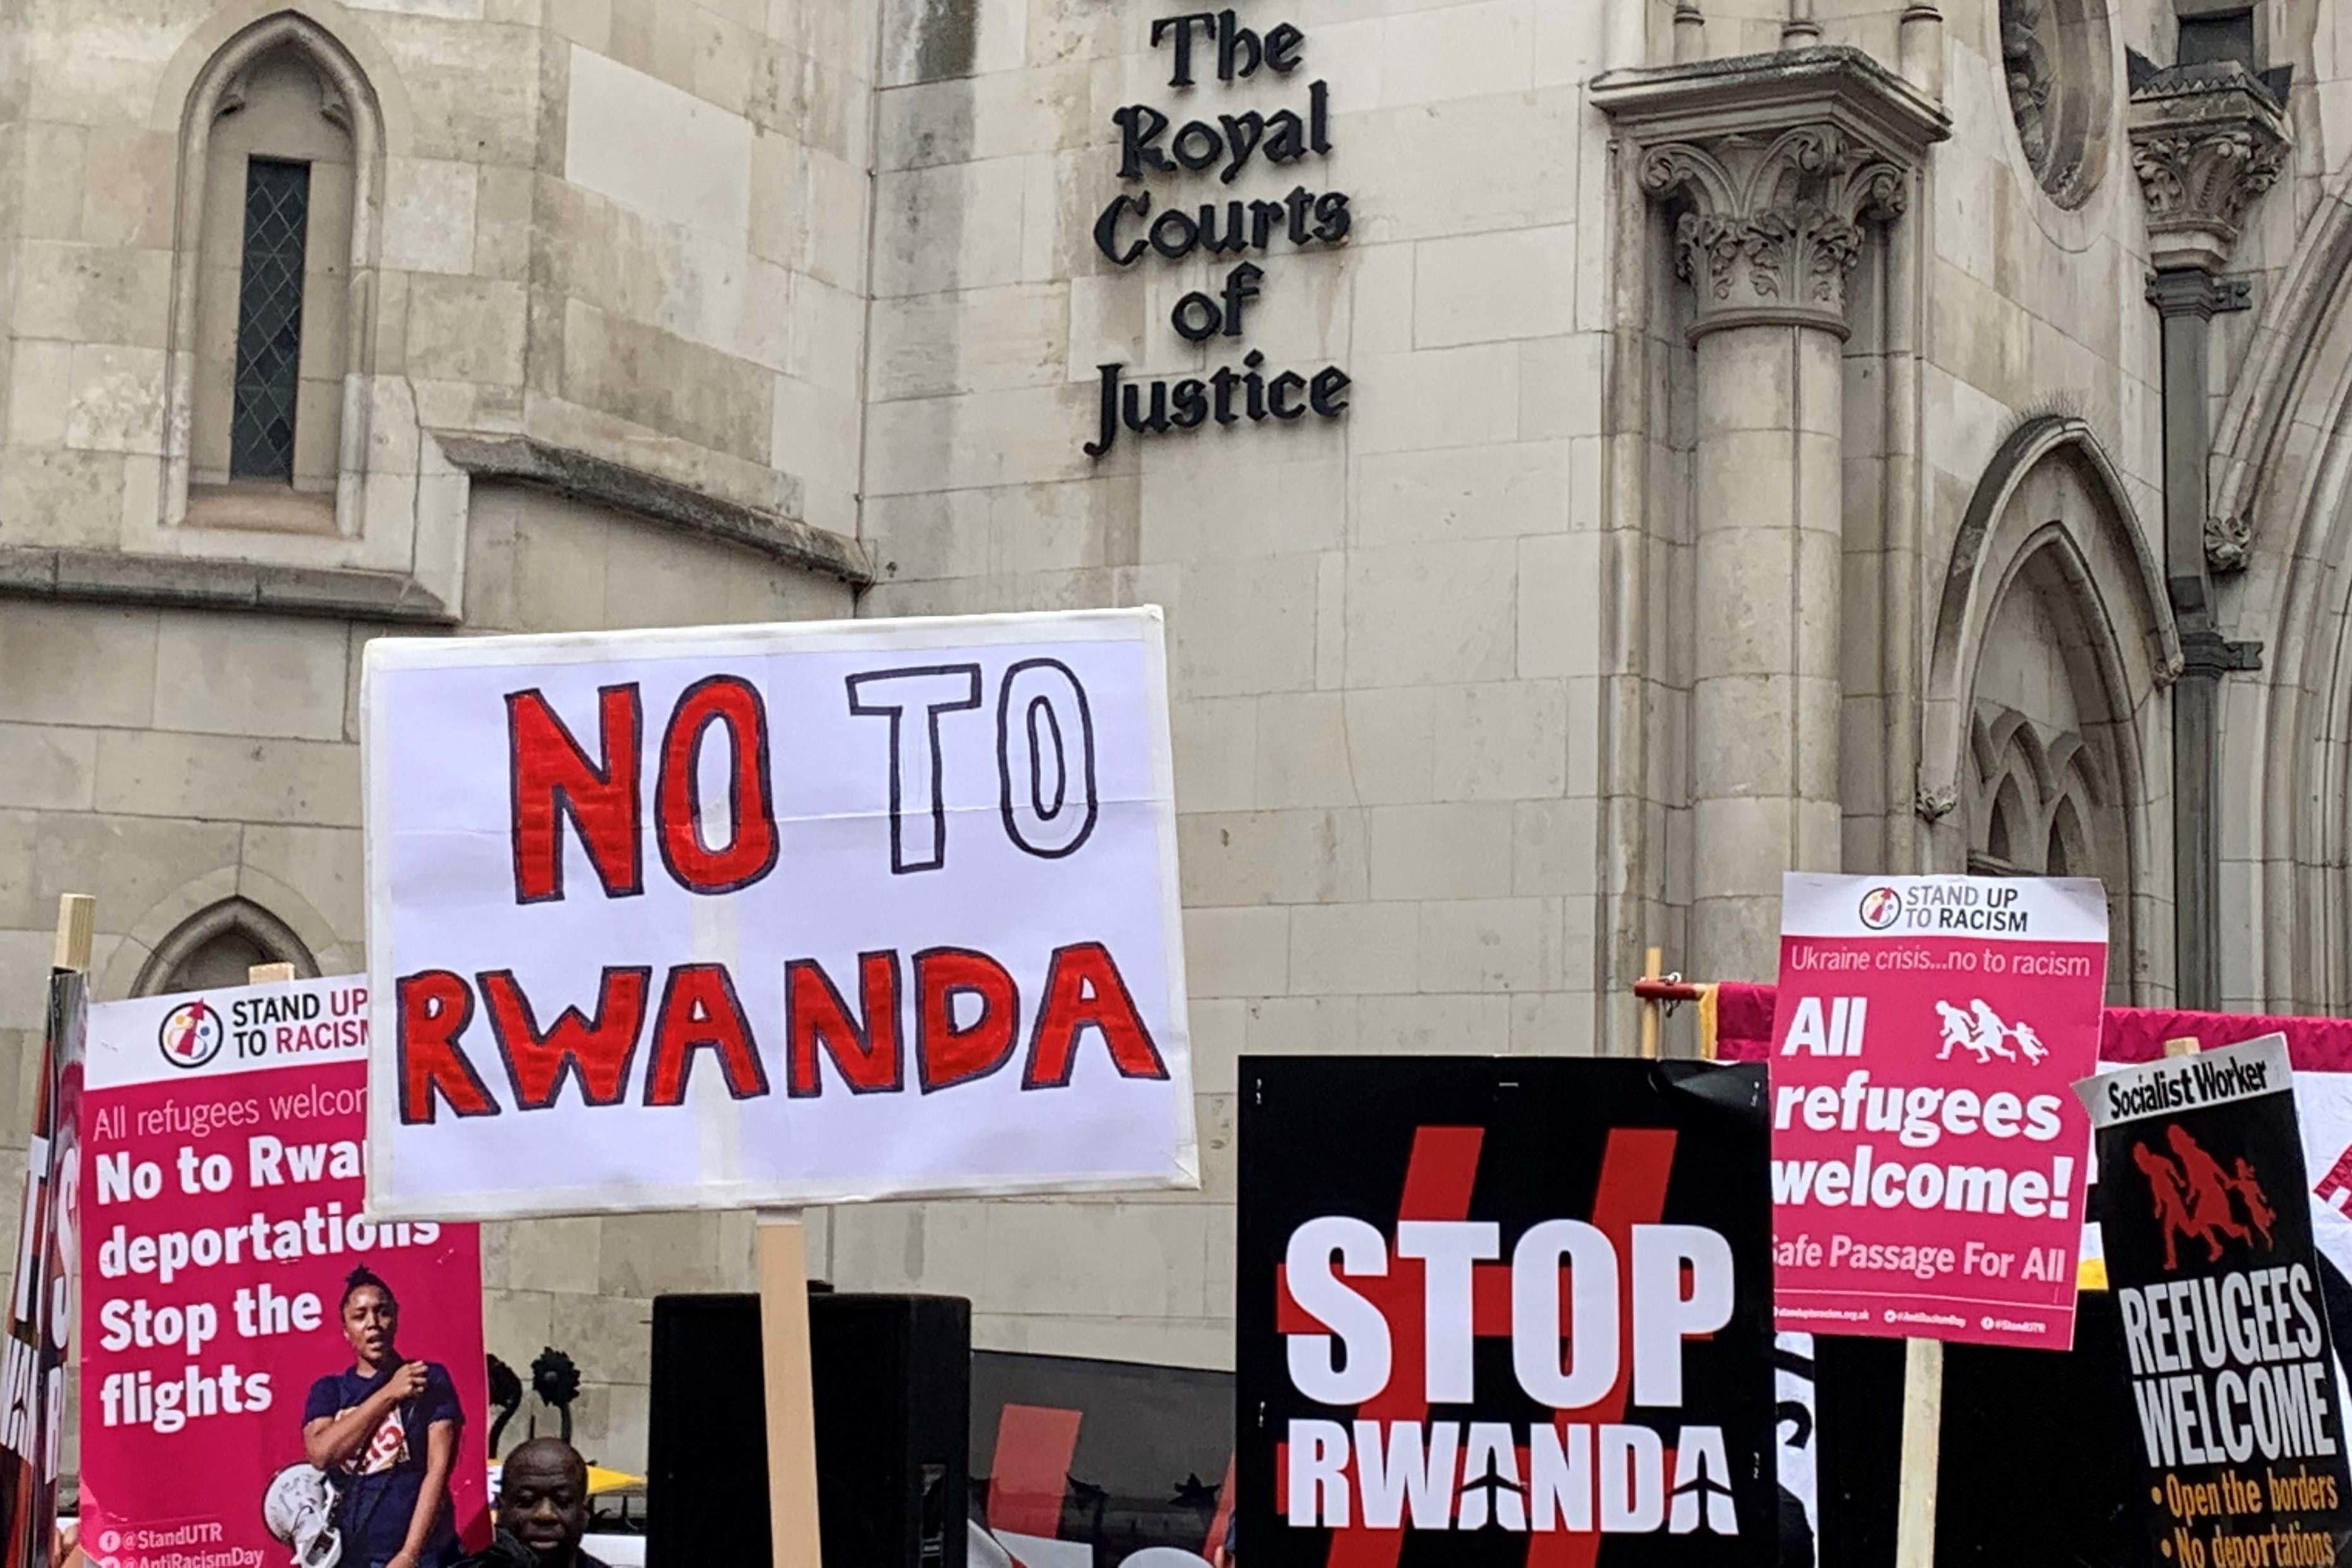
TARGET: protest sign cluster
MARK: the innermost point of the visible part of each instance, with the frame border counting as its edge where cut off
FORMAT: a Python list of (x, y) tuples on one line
[(824, 913)]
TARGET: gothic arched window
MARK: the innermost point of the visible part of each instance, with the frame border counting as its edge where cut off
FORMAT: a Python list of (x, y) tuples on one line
[(282, 154), (216, 947), (275, 259)]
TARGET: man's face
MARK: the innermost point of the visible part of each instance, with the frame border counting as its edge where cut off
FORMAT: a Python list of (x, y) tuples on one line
[(543, 1503)]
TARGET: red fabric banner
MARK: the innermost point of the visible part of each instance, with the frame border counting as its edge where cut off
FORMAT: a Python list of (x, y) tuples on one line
[(1743, 1016)]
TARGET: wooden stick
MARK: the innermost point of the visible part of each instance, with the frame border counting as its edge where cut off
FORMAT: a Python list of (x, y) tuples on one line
[(76, 923), (1923, 1433), (791, 1403), (2184, 1046), (1652, 965), (270, 975)]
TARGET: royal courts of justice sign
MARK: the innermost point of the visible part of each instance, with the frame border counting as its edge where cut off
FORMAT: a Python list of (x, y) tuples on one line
[(774, 915)]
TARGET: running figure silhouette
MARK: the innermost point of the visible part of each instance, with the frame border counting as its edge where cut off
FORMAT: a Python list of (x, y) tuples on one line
[(2259, 1212), (2171, 1202), (1957, 1028), (2193, 1197), (2208, 1193), (1992, 1035)]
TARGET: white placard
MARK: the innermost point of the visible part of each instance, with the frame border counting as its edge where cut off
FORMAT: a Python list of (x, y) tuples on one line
[(773, 915), (2190, 1082), (2003, 909)]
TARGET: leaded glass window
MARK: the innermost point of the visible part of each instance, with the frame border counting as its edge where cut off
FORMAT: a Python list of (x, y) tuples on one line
[(269, 319)]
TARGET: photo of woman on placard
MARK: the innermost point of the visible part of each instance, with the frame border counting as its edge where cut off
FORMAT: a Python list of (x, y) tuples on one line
[(385, 1431)]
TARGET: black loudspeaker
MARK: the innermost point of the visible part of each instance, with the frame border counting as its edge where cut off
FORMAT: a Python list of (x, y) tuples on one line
[(707, 1435), (893, 1392)]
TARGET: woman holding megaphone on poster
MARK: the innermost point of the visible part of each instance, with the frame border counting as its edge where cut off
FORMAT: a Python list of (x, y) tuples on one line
[(386, 1432)]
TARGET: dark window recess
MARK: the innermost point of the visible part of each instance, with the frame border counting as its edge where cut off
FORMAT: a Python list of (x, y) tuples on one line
[(269, 321), (2210, 40)]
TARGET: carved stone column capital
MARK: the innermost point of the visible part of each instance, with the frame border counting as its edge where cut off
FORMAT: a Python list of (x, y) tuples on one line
[(1772, 165), (2206, 140), (1769, 229)]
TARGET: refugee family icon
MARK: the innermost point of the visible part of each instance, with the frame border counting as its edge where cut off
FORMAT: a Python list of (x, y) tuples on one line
[(2193, 1198), (1979, 1030)]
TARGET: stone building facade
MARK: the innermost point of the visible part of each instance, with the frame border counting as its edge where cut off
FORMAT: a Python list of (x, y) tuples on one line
[(1659, 443)]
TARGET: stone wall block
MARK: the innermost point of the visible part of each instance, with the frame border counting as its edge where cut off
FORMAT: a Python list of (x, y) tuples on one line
[(1425, 614), (1272, 856), (1505, 741), (249, 675), (1237, 952), (1458, 850)]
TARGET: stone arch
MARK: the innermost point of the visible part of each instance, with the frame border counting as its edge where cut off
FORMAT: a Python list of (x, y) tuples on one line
[(2278, 507), (2053, 639), (348, 94), (288, 922), (2279, 425), (215, 946)]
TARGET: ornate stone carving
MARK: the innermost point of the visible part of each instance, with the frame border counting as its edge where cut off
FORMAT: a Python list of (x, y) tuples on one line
[(1772, 167), (2056, 70), (2025, 55), (2206, 140), (1772, 226), (2227, 539)]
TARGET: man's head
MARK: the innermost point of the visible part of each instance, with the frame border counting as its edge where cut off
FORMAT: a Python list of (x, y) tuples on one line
[(543, 1499)]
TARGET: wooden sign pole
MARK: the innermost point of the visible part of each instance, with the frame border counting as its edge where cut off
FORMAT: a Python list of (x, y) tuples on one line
[(76, 923), (1923, 1442), (791, 1405), (1654, 963), (270, 975)]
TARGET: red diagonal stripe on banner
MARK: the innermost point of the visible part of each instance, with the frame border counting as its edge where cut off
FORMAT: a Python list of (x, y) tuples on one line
[(1633, 1190), (1439, 1176), (1437, 1182)]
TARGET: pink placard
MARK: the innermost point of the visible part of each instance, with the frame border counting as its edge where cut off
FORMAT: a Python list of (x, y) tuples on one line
[(1929, 1156), (221, 1214)]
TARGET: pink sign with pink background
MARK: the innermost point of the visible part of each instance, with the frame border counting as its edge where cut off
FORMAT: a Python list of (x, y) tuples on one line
[(263, 1369), (1929, 1158)]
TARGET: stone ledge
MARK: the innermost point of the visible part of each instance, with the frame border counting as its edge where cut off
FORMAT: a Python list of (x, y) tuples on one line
[(520, 459), (1763, 94), (194, 583)]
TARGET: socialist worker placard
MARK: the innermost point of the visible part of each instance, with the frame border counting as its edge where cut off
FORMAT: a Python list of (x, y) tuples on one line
[(2207, 1239), (1501, 1311), (1928, 1158)]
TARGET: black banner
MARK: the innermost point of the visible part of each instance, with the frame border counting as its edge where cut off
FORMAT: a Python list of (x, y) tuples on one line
[(1084, 1464), (1504, 1312), (2208, 1249)]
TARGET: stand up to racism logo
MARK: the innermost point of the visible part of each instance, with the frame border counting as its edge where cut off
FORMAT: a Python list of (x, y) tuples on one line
[(192, 1034)]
